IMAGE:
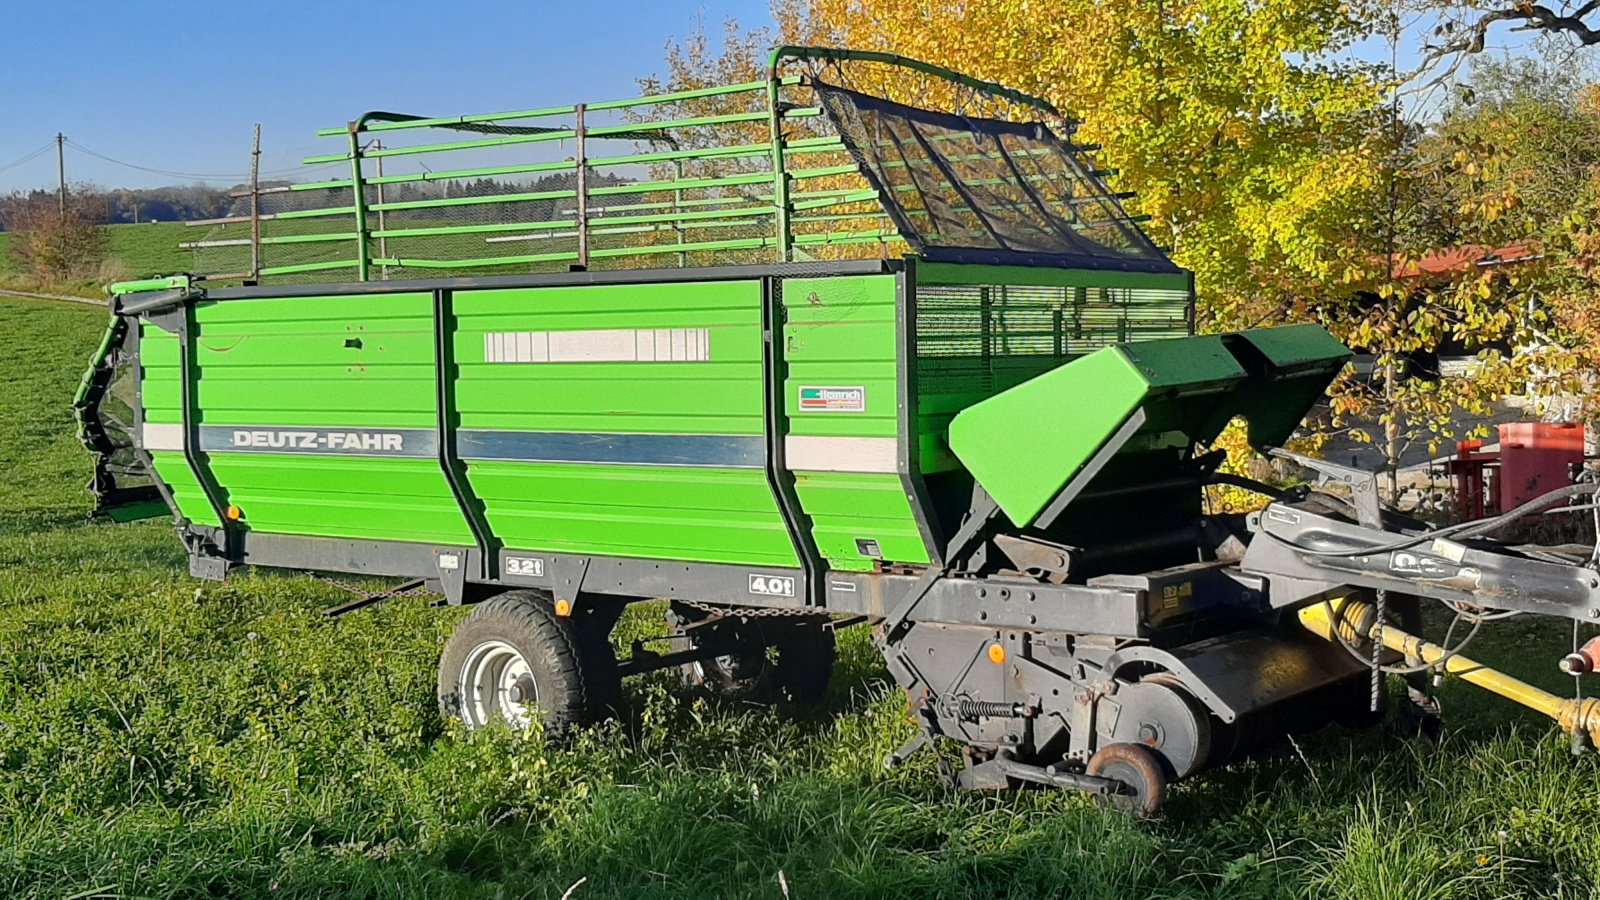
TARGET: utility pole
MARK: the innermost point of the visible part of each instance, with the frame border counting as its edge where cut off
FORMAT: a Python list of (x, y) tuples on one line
[(255, 206), (61, 174)]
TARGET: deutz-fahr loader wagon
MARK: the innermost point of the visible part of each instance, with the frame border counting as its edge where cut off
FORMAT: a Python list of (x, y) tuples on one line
[(864, 341)]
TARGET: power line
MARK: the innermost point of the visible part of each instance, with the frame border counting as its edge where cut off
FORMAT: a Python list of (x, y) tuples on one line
[(43, 149), (200, 176)]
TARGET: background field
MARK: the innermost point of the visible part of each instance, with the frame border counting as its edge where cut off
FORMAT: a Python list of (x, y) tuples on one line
[(160, 737), (136, 251)]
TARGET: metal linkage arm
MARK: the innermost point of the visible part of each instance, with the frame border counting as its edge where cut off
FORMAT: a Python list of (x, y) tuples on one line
[(1302, 554), (1363, 484)]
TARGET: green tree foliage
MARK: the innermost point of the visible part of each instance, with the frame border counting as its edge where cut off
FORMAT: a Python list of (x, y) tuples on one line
[(1285, 171), (54, 237)]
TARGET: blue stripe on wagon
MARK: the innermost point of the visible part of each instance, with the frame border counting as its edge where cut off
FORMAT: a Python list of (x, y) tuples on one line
[(723, 450)]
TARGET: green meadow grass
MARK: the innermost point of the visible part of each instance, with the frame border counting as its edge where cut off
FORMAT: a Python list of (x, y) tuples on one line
[(133, 251), (163, 737)]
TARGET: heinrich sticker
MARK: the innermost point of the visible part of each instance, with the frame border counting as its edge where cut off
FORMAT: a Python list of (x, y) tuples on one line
[(815, 398), (772, 585)]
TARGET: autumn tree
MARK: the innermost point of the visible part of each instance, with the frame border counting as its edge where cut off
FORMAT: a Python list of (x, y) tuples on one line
[(1285, 171), (1244, 128), (1461, 28), (1529, 135), (55, 238)]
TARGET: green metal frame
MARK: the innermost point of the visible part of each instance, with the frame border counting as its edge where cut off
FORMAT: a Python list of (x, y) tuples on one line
[(800, 220)]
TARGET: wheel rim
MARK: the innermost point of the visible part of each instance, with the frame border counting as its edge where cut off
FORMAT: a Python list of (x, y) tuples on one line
[(730, 675), (1136, 791), (1144, 785), (496, 685)]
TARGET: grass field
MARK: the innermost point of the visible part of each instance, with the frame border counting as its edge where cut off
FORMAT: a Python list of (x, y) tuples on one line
[(135, 251), (160, 737)]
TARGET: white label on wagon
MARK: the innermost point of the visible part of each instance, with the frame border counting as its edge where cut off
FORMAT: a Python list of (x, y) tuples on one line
[(772, 585), (526, 566)]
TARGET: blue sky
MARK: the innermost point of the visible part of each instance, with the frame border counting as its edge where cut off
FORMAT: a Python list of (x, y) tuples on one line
[(176, 84)]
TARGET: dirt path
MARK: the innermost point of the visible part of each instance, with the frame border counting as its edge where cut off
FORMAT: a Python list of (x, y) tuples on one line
[(5, 292)]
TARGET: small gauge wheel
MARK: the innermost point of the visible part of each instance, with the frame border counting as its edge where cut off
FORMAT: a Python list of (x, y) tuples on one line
[(1137, 769)]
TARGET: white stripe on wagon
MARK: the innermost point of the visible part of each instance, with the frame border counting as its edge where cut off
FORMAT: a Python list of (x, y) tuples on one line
[(598, 345), (809, 453), (155, 436)]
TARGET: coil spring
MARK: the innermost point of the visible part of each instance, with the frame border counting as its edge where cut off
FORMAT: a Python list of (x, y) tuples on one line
[(986, 709)]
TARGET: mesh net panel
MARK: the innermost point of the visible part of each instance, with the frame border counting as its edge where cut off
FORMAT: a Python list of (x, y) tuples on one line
[(107, 421), (686, 179), (974, 341), (986, 190)]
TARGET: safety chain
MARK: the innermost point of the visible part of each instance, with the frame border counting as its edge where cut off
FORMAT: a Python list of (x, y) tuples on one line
[(748, 611), (1381, 608), (400, 590)]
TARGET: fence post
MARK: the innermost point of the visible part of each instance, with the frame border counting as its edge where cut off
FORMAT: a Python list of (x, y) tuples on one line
[(581, 159), (255, 206), (358, 192)]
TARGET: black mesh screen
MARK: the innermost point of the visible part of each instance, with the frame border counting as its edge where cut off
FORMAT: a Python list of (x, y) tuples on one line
[(123, 485), (963, 189)]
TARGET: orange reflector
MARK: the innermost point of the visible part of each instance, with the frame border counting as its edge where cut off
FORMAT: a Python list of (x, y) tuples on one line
[(233, 513), (997, 654), (563, 607)]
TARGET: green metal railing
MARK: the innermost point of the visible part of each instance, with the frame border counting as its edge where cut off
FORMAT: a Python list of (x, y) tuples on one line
[(713, 187)]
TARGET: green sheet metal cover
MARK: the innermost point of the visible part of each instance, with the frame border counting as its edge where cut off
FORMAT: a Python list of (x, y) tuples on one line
[(1025, 445)]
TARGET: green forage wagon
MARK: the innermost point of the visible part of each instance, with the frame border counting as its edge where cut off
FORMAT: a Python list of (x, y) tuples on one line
[(862, 341)]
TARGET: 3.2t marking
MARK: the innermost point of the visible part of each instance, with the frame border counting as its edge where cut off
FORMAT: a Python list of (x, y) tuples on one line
[(526, 566)]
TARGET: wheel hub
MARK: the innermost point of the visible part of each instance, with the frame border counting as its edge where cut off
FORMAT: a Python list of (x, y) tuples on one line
[(1166, 719), (497, 684)]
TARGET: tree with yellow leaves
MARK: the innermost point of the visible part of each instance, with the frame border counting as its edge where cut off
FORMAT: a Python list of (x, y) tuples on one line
[(1269, 158)]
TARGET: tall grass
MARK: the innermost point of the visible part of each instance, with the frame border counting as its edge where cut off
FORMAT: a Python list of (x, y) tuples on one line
[(160, 737)]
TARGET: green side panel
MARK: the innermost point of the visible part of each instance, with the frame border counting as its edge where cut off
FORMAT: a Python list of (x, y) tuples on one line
[(174, 471), (362, 360), (1025, 445), (160, 394), (845, 506), (982, 330), (657, 512), (710, 392), (379, 499), (841, 333)]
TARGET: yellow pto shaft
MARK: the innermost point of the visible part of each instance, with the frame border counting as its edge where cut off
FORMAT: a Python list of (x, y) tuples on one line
[(1357, 623)]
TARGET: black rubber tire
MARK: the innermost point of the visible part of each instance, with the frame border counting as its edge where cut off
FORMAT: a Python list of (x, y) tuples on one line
[(789, 659), (1136, 767), (573, 667), (742, 675), (805, 656)]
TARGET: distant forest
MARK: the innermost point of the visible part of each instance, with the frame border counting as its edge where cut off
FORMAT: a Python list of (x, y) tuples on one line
[(161, 204), (184, 203)]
